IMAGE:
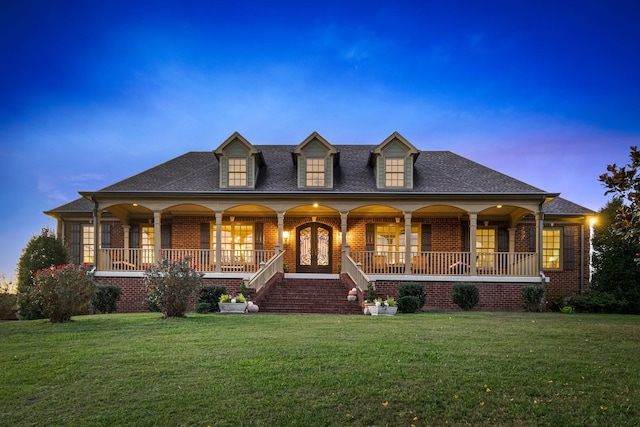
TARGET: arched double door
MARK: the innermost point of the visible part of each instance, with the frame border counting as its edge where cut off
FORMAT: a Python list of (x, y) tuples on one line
[(313, 252)]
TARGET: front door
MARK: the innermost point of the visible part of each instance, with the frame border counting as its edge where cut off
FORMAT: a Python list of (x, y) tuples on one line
[(313, 254)]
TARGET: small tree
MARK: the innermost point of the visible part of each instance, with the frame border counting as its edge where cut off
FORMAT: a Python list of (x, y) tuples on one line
[(465, 295), (170, 285), (41, 252)]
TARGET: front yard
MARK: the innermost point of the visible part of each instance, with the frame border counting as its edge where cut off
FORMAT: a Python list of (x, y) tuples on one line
[(454, 368)]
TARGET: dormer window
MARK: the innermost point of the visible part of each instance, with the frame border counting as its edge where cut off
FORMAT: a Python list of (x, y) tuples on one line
[(315, 172), (394, 172), (315, 160), (237, 172)]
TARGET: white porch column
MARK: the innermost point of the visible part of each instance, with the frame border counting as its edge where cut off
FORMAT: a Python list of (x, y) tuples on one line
[(280, 245), (407, 243), (97, 235), (473, 237), (539, 226), (125, 231), (343, 230), (218, 242), (157, 233)]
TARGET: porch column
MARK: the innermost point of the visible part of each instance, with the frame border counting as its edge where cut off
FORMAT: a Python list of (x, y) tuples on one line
[(512, 247), (343, 230), (280, 245), (125, 231), (473, 237), (539, 226), (407, 243), (218, 242), (157, 233), (97, 234)]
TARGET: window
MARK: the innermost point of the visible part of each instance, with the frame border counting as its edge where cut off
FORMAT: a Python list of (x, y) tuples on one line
[(147, 244), (315, 173), (485, 247), (551, 238), (237, 172), (390, 241), (394, 172), (237, 242), (87, 243)]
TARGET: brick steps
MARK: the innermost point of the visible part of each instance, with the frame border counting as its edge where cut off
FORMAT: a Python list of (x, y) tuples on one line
[(297, 295)]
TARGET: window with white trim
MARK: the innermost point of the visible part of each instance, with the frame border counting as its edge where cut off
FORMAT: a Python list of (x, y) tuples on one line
[(485, 247), (390, 241), (87, 243), (551, 247), (315, 172), (236, 242), (394, 172), (237, 172), (147, 244)]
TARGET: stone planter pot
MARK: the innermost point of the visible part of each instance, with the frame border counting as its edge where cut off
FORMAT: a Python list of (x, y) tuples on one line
[(382, 310), (366, 308), (252, 308), (232, 307)]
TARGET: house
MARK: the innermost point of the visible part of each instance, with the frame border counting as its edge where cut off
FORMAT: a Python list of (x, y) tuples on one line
[(385, 213)]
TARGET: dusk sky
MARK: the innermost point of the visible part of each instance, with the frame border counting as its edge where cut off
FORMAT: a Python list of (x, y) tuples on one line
[(93, 92)]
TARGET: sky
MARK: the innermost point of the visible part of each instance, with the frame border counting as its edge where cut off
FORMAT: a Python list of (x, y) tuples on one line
[(93, 91)]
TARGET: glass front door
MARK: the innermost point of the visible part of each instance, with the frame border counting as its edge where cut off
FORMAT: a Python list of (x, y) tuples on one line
[(313, 254)]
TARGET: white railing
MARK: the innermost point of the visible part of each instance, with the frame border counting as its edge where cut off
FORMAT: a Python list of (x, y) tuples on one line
[(266, 272), (354, 271), (448, 263), (203, 260)]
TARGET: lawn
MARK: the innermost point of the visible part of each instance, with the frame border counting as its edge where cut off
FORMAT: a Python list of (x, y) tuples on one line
[(515, 369)]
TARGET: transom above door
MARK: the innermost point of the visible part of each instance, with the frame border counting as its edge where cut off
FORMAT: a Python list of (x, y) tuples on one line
[(313, 248)]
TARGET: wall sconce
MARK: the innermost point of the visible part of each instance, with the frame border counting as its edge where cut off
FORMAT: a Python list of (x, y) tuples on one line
[(285, 236)]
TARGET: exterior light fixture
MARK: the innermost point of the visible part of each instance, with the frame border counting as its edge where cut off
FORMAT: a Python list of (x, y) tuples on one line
[(285, 236)]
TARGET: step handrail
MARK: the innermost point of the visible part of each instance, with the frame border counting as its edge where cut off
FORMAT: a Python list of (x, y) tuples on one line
[(266, 272)]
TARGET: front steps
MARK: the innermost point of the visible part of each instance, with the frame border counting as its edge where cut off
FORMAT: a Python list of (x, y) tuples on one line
[(309, 295)]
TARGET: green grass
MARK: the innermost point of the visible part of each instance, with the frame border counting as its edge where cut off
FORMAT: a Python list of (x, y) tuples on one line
[(515, 369)]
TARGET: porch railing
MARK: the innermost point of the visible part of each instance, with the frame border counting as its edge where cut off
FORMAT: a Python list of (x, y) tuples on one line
[(354, 271), (266, 272), (204, 260), (448, 263)]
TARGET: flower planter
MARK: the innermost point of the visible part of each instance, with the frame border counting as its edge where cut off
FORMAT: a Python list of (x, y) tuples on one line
[(252, 308), (232, 307), (366, 308), (382, 310)]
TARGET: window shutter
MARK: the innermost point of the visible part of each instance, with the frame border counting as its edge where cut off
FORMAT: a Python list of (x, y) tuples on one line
[(370, 238), (568, 254), (532, 239), (466, 245), (165, 236), (258, 230), (74, 243), (134, 236), (205, 235), (106, 235), (425, 238), (503, 239)]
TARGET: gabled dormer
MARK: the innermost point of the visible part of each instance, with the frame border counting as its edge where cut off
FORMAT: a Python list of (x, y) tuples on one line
[(393, 161), (239, 161), (315, 160)]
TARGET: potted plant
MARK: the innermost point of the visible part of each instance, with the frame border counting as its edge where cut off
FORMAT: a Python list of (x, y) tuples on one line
[(370, 300), (353, 295), (237, 304), (382, 307)]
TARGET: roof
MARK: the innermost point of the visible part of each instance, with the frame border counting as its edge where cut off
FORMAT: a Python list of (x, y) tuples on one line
[(435, 173)]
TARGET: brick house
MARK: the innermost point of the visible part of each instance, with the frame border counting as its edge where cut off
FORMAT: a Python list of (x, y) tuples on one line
[(267, 213)]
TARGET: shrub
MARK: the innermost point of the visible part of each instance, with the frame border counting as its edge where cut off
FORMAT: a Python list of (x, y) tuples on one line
[(465, 295), (371, 293), (532, 297), (105, 298), (203, 307), (596, 302), (413, 289), (41, 252), (170, 284), (8, 302), (211, 295), (409, 304), (63, 291)]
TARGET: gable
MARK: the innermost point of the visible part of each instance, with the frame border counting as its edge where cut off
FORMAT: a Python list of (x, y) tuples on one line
[(393, 161), (239, 162), (314, 159)]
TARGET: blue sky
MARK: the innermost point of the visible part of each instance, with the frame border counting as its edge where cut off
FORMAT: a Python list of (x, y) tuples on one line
[(95, 91)]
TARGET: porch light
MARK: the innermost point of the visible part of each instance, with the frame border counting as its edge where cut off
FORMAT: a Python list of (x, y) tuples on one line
[(499, 206), (135, 204), (315, 205), (285, 236)]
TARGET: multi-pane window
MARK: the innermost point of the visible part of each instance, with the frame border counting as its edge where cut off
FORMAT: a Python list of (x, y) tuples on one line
[(551, 238), (394, 172), (315, 175), (236, 242), (87, 243), (485, 247), (147, 240), (237, 172), (391, 242)]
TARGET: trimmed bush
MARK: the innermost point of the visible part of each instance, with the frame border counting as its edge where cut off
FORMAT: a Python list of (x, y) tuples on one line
[(105, 299), (465, 295), (211, 295), (203, 308), (413, 289), (596, 302), (62, 292), (170, 285), (8, 306), (409, 304), (532, 297)]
